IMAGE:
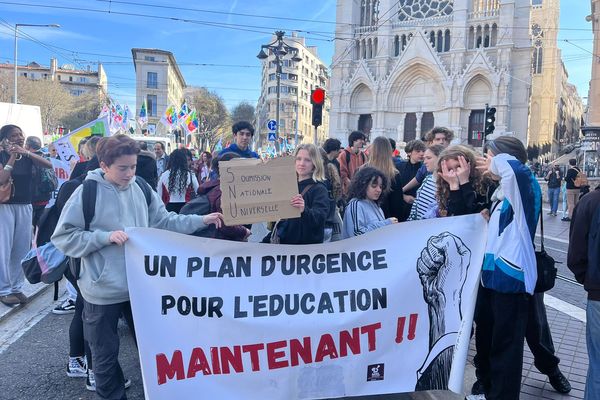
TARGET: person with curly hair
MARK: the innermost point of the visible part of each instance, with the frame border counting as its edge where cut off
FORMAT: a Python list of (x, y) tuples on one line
[(177, 185), (462, 189), (363, 213)]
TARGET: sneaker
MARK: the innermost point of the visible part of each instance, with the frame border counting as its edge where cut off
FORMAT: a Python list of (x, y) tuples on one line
[(77, 367), (559, 382), (9, 300), (66, 307), (567, 219), (90, 382), (21, 297)]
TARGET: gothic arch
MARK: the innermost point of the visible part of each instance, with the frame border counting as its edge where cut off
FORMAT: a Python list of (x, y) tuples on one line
[(361, 99), (478, 91), (406, 91)]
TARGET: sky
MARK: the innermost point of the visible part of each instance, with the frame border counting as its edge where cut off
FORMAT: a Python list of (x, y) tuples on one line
[(215, 43)]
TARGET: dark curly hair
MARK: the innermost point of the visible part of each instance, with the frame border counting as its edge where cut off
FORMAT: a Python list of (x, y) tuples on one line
[(361, 181), (179, 171)]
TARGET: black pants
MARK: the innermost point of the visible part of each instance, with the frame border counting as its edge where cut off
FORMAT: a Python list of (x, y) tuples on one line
[(100, 327), (539, 338), (78, 345), (501, 323)]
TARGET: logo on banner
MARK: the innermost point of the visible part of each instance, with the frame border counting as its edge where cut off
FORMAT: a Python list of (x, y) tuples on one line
[(375, 372)]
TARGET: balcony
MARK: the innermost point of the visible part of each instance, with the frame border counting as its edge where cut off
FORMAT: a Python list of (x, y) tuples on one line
[(365, 29), (432, 21), (484, 14)]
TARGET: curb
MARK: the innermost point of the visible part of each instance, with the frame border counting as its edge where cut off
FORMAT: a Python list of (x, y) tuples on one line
[(37, 290)]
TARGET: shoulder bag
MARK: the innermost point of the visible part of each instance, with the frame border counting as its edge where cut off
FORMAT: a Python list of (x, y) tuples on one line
[(546, 271)]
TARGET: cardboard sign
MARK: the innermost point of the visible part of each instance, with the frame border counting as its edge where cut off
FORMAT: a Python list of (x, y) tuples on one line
[(68, 144), (254, 191)]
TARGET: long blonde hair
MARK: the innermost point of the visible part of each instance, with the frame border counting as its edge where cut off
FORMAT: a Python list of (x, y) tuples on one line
[(380, 157), (318, 174)]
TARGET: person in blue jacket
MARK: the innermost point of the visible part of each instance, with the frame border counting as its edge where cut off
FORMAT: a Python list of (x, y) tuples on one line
[(509, 269), (243, 132)]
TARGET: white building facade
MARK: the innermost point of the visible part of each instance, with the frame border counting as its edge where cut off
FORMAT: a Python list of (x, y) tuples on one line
[(414, 64), (159, 82)]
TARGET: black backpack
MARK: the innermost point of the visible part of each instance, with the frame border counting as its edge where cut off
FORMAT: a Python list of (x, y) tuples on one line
[(199, 206)]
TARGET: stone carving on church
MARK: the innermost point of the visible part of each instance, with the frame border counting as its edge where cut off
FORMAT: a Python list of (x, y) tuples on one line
[(420, 9)]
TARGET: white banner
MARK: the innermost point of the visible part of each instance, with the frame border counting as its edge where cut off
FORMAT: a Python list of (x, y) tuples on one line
[(62, 170), (67, 145), (378, 313)]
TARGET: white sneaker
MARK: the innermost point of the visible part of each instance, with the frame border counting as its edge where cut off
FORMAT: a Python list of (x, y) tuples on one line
[(66, 307), (77, 367), (90, 382)]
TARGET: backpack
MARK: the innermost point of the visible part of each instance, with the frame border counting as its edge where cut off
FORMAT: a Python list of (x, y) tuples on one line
[(88, 196), (581, 179), (44, 264), (362, 156), (200, 206)]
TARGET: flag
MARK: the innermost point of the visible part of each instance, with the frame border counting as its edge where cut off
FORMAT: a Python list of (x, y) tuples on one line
[(126, 116), (183, 112), (105, 111), (219, 145), (143, 118), (191, 121), (170, 117)]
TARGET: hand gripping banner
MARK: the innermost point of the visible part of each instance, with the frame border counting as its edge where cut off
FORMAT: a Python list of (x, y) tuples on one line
[(387, 312)]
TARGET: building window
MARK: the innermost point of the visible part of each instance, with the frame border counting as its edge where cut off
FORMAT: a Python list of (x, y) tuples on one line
[(149, 58), (70, 79), (58, 77), (536, 2), (82, 79), (538, 59), (151, 103), (152, 80)]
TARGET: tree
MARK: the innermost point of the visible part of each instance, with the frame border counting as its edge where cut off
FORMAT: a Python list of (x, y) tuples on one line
[(54, 101), (244, 111), (86, 108), (212, 113)]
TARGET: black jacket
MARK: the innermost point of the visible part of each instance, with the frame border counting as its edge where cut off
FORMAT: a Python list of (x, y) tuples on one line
[(310, 227), (570, 178), (146, 168), (583, 257), (466, 200)]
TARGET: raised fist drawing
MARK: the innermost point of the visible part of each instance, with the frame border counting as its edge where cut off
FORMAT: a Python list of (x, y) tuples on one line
[(442, 268)]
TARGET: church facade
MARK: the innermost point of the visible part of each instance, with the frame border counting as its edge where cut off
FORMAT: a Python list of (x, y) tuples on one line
[(402, 67)]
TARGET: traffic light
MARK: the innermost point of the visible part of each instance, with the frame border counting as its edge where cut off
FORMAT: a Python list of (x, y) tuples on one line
[(490, 118), (317, 99)]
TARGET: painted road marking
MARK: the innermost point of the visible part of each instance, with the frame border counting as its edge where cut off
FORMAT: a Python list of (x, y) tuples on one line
[(566, 308)]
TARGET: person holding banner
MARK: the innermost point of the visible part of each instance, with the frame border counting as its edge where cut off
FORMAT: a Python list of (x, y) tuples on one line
[(509, 269), (120, 203), (313, 202), (363, 213), (16, 211)]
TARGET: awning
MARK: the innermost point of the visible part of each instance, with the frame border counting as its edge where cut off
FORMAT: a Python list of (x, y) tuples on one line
[(564, 159)]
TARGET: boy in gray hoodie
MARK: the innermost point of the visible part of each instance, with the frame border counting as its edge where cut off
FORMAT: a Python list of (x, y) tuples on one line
[(120, 204)]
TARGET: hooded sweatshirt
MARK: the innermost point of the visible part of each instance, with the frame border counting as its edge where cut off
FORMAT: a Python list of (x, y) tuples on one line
[(103, 278)]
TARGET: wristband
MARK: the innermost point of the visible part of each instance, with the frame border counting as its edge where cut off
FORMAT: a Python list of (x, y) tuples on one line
[(8, 167)]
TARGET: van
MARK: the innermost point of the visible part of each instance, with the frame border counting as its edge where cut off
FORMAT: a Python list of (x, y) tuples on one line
[(168, 142)]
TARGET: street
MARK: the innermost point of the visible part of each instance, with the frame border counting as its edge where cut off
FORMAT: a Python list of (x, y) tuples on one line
[(34, 342)]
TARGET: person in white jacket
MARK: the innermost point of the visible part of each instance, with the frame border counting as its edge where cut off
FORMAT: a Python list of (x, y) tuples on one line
[(120, 204), (509, 269), (363, 213)]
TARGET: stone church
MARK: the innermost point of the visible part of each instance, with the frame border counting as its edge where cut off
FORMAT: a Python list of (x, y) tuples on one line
[(402, 67)]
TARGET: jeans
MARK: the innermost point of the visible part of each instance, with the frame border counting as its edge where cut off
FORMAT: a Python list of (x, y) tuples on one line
[(553, 194), (592, 385)]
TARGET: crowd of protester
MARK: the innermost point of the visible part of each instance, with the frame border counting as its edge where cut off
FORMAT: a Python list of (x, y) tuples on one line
[(342, 192)]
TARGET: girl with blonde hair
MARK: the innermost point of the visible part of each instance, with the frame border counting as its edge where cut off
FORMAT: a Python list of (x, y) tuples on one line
[(380, 158), (312, 201)]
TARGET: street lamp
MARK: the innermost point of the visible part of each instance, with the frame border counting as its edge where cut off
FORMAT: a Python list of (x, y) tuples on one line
[(279, 49), (16, 35)]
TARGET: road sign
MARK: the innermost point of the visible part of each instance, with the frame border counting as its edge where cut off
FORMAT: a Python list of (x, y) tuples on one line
[(272, 135), (272, 125)]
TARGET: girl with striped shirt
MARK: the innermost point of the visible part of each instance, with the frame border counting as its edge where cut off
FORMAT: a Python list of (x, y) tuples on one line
[(425, 205)]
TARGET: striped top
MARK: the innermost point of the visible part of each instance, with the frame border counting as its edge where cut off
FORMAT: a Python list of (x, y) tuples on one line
[(425, 205)]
